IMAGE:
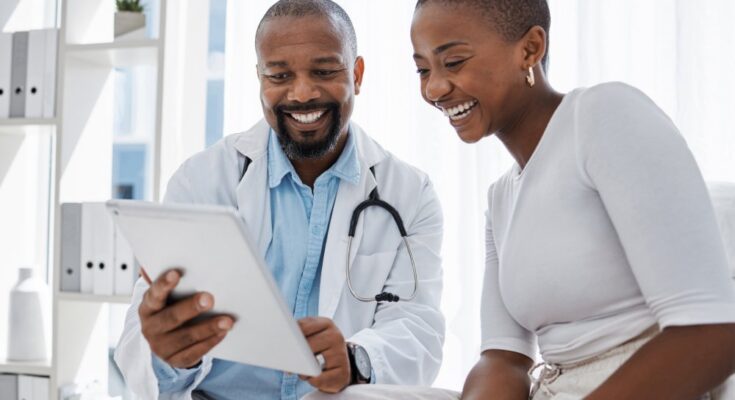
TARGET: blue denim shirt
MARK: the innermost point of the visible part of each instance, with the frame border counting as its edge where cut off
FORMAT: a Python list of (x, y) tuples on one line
[(300, 221)]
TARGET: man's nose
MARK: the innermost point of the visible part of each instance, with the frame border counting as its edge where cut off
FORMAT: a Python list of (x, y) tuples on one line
[(303, 90)]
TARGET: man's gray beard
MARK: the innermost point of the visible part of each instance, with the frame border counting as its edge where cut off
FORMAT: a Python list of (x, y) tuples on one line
[(301, 151)]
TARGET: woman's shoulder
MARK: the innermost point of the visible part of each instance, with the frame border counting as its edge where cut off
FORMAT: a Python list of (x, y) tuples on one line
[(612, 99), (618, 111)]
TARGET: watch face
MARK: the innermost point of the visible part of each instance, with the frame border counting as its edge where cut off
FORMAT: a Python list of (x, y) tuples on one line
[(362, 361)]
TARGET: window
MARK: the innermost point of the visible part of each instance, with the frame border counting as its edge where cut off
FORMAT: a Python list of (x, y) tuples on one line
[(216, 73)]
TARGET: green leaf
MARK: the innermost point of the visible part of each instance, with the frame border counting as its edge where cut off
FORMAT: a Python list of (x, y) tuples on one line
[(129, 5)]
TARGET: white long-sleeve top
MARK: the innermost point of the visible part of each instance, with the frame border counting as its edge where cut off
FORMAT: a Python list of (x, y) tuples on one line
[(607, 231)]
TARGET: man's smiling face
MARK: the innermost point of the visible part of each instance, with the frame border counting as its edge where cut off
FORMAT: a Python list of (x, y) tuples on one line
[(309, 77)]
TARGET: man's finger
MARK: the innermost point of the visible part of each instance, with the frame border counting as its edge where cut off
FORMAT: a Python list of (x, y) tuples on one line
[(179, 313), (334, 357), (321, 341), (190, 356), (183, 338), (155, 297), (331, 381), (312, 325)]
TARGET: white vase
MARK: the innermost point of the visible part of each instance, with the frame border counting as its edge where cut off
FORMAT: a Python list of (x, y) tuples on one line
[(28, 320), (129, 25)]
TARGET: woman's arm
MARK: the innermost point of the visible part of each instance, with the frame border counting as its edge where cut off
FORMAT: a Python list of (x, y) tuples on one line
[(499, 375), (680, 363), (632, 155)]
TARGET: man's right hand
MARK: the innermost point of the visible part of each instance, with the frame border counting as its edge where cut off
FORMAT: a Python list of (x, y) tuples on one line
[(164, 326)]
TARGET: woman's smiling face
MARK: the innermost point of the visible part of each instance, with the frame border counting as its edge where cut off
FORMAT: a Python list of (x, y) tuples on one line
[(467, 70)]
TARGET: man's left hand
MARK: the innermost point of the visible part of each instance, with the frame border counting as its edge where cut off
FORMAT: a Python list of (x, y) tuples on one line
[(325, 338)]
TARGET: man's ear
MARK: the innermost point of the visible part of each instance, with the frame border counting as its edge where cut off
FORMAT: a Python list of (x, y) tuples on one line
[(359, 70)]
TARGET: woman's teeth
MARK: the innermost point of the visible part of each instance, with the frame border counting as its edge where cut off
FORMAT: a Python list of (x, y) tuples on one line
[(308, 118), (460, 111)]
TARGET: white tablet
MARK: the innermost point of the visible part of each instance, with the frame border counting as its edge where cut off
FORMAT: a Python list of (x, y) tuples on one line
[(210, 245)]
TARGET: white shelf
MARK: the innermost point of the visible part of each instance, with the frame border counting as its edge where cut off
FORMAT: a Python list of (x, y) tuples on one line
[(92, 298), (27, 121), (117, 54), (26, 126), (42, 368)]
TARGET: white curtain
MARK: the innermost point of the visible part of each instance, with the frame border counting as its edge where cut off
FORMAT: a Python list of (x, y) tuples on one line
[(678, 52)]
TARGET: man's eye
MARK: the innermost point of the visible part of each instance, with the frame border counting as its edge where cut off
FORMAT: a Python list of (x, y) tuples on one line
[(277, 77), (422, 71), (325, 73)]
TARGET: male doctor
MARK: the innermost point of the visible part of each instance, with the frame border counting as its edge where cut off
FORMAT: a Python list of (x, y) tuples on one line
[(296, 178)]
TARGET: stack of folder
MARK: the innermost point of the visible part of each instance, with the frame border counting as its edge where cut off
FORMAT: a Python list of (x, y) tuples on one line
[(95, 256), (28, 73), (24, 387)]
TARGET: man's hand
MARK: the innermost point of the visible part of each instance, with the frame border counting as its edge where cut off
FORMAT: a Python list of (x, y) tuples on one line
[(325, 338), (164, 326)]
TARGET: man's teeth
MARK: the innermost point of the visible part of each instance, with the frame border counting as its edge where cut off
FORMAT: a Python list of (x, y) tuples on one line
[(460, 111), (308, 118)]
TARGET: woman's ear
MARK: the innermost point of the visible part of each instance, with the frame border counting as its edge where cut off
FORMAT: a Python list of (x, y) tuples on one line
[(533, 46)]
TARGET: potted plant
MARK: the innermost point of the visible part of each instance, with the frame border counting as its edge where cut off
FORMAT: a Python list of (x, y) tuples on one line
[(129, 19)]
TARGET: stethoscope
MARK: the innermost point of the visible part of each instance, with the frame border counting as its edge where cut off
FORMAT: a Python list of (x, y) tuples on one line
[(373, 200)]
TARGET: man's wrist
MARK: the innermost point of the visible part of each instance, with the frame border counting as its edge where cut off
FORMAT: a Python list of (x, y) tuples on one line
[(361, 370)]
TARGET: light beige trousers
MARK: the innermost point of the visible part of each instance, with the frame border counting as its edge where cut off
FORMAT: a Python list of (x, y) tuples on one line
[(574, 381)]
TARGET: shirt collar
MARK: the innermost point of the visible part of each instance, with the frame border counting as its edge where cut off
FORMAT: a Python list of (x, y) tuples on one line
[(347, 167)]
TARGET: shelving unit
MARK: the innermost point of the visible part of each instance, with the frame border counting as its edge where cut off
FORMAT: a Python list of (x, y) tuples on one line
[(88, 59), (69, 159)]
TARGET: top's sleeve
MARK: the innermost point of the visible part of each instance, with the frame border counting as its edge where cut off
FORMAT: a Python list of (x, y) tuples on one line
[(500, 331), (634, 157)]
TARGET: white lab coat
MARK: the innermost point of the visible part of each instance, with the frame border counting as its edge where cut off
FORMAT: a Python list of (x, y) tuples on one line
[(404, 339)]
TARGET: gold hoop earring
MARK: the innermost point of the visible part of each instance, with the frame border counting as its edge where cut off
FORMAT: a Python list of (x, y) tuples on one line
[(530, 78)]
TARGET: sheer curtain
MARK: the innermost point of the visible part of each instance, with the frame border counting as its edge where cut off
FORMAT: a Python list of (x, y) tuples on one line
[(675, 51)]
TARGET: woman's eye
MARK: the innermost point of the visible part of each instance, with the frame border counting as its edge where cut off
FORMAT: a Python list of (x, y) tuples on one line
[(422, 71), (452, 64)]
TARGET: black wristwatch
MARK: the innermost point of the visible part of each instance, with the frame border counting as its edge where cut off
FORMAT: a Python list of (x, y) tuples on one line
[(360, 365)]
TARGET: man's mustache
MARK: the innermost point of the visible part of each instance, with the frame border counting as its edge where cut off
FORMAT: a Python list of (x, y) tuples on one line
[(290, 108)]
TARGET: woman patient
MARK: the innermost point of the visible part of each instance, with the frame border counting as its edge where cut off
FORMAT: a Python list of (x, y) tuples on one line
[(602, 244)]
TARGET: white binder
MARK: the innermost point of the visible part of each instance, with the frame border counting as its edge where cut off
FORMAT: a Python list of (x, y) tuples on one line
[(49, 76), (35, 73), (126, 267), (6, 60), (103, 275), (40, 390), (87, 249), (25, 387), (18, 75)]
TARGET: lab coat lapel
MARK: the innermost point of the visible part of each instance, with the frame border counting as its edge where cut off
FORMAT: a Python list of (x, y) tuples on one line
[(253, 194), (349, 196), (335, 254)]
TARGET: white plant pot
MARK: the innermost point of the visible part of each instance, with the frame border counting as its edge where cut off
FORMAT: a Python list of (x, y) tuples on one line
[(28, 319), (129, 24)]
